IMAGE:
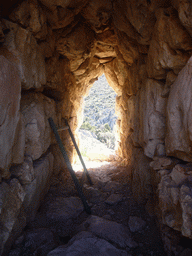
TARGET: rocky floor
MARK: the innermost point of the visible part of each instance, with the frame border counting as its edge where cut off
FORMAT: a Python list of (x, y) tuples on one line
[(118, 225)]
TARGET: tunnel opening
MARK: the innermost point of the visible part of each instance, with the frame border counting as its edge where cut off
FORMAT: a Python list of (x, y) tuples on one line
[(97, 133)]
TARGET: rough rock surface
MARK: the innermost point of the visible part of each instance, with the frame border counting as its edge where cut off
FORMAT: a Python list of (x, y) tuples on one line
[(86, 243), (12, 198), (175, 198), (178, 112), (136, 224), (103, 236), (19, 203), (57, 49), (109, 230), (9, 114), (36, 109), (26, 56), (153, 115)]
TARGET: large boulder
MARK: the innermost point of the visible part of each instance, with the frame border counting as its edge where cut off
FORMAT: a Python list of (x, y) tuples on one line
[(77, 45), (168, 50), (36, 109), (175, 198), (19, 203), (11, 199), (179, 122), (152, 116), (98, 13), (111, 231), (85, 243), (31, 16), (10, 122), (61, 13), (184, 11), (27, 55), (36, 190)]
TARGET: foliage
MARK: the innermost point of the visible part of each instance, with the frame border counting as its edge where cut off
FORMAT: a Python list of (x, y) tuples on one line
[(99, 113)]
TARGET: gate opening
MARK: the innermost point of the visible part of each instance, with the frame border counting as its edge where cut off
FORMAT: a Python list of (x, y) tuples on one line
[(97, 134)]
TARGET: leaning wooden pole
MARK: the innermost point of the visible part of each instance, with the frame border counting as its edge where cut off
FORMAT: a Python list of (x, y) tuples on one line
[(79, 154), (66, 158)]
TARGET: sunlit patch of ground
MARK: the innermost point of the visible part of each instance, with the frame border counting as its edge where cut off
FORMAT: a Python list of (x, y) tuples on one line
[(89, 164), (94, 153)]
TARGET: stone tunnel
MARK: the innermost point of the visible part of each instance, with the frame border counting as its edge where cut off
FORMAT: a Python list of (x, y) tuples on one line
[(51, 53)]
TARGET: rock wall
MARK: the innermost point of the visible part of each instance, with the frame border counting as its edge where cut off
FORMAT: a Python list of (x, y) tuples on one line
[(51, 52)]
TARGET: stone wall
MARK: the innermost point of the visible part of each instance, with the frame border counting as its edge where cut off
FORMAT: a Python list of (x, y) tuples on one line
[(50, 55)]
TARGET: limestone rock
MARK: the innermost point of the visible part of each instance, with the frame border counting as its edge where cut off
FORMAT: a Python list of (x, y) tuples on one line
[(61, 13), (11, 199), (112, 186), (19, 142), (168, 202), (36, 109), (175, 198), (136, 223), (2, 36), (160, 163), (9, 112), (186, 200), (108, 37), (63, 209), (104, 51), (76, 46), (185, 14), (58, 213), (141, 17), (27, 56), (36, 241), (59, 162), (19, 204), (25, 171), (128, 48), (98, 13), (36, 190), (178, 134), (110, 231), (166, 47), (179, 175), (170, 79), (59, 78), (31, 16), (92, 194), (110, 73), (47, 47), (153, 117), (121, 19), (86, 243), (114, 199)]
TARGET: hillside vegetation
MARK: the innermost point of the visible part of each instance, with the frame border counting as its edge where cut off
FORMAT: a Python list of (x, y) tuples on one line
[(99, 112)]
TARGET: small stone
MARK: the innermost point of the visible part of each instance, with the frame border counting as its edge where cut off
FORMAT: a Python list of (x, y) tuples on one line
[(136, 224), (114, 199), (178, 174), (112, 186)]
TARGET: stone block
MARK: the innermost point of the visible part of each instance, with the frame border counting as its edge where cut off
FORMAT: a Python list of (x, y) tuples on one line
[(36, 109), (179, 121), (10, 85), (27, 57)]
